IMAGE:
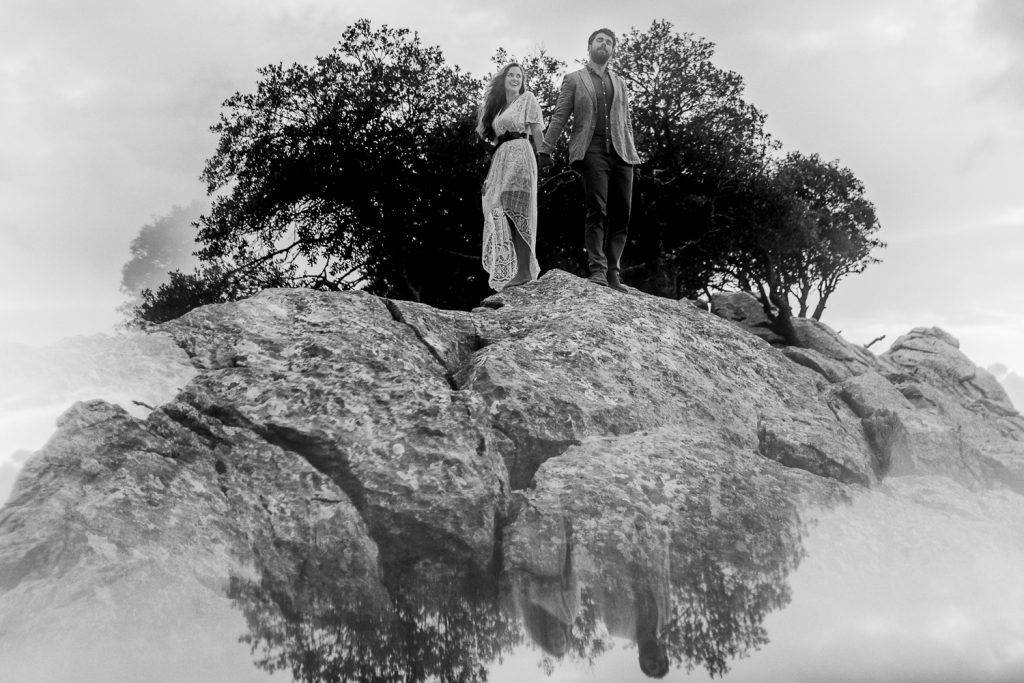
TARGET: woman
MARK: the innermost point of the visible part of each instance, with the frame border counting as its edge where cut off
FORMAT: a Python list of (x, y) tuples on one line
[(508, 114)]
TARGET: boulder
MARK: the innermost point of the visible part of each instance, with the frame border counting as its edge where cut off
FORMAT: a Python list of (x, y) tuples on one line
[(565, 360), (817, 347), (363, 398), (933, 356), (136, 371), (123, 537), (833, 370), (331, 452), (817, 336), (921, 429), (963, 424), (747, 312)]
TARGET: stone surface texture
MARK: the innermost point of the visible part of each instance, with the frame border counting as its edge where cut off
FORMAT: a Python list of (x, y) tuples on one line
[(746, 311), (562, 434)]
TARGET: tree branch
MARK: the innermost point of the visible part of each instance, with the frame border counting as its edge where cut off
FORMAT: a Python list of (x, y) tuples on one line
[(876, 339)]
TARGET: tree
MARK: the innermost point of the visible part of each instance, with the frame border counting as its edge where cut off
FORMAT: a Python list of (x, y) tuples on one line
[(829, 202), (713, 207), (701, 143), (361, 169), (159, 252), (162, 246), (812, 225), (542, 73), (698, 138), (207, 284)]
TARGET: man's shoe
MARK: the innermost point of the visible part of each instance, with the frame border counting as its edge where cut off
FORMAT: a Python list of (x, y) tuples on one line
[(599, 279), (615, 282)]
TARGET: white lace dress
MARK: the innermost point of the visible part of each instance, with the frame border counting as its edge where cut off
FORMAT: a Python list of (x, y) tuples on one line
[(510, 195)]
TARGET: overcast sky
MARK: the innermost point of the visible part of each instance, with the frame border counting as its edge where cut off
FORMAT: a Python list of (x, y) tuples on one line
[(105, 107)]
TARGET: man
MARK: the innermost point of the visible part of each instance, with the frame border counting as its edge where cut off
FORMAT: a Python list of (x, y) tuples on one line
[(601, 150)]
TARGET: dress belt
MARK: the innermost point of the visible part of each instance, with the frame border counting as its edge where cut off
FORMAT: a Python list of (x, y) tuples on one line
[(507, 137)]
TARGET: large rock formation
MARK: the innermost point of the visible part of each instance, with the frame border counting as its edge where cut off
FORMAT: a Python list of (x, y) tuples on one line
[(924, 406), (565, 454), (37, 384)]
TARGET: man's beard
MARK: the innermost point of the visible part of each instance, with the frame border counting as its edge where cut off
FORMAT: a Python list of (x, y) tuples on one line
[(599, 56)]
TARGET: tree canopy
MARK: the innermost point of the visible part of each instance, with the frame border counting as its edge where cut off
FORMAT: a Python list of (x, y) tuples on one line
[(163, 246), (702, 145), (357, 170), (362, 170), (814, 227)]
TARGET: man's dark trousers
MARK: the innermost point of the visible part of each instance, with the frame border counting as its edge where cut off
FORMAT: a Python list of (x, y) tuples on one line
[(608, 191)]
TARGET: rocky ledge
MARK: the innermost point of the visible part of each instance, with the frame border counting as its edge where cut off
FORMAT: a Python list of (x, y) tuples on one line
[(583, 448)]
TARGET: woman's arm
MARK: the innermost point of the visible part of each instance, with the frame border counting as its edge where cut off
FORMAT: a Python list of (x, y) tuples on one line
[(534, 120), (537, 132)]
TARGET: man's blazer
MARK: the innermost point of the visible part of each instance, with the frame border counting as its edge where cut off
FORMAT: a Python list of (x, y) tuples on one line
[(578, 97)]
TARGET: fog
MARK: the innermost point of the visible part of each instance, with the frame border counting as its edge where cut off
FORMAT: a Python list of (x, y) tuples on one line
[(918, 579), (38, 383)]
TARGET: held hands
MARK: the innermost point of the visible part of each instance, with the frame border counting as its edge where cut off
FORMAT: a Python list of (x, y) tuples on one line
[(544, 162)]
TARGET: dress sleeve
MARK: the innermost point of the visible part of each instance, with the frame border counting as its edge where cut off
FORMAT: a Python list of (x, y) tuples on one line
[(533, 114)]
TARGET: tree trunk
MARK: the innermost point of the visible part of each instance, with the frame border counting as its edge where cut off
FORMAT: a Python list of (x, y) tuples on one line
[(776, 308), (784, 318), (819, 309)]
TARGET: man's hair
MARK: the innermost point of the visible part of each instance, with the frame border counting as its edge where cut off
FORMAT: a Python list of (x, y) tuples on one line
[(608, 32), (653, 658)]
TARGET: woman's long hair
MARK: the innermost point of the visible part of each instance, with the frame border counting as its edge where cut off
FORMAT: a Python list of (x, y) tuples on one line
[(494, 102)]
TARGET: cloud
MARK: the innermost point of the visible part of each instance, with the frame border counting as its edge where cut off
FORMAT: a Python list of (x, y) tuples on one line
[(1004, 17), (105, 110), (1003, 20), (1012, 383)]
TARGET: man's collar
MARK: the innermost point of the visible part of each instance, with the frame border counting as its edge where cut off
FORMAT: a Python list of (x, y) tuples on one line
[(588, 67)]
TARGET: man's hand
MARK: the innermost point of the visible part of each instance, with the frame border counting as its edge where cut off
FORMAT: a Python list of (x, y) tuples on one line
[(544, 161)]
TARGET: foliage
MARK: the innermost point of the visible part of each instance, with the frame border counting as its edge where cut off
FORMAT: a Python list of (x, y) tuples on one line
[(731, 549), (161, 249), (701, 144), (207, 284), (735, 548), (542, 73), (363, 170), (162, 246), (836, 221), (359, 170), (320, 633), (811, 225)]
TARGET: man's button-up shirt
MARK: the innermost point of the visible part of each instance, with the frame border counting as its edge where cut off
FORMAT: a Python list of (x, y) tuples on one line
[(605, 91)]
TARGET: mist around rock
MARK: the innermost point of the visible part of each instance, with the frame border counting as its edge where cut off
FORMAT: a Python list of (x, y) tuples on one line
[(1012, 382), (37, 384)]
